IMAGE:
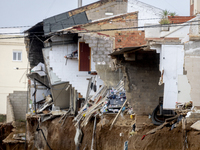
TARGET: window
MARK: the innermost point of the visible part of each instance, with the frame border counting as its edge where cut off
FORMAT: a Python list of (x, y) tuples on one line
[(17, 56)]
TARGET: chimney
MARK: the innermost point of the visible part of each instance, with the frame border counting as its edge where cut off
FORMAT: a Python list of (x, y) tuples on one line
[(79, 3)]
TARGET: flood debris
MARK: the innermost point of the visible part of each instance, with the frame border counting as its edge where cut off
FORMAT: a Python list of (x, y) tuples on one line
[(105, 100), (196, 125), (94, 132), (19, 136), (118, 114)]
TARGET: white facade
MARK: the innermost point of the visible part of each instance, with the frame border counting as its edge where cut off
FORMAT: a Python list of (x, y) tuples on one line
[(178, 74), (67, 70), (13, 71), (147, 13), (196, 7)]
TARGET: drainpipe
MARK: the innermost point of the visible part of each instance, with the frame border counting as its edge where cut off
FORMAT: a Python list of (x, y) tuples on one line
[(79, 3)]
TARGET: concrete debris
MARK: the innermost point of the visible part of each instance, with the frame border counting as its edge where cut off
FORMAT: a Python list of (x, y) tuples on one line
[(184, 106), (48, 102), (103, 101), (118, 114), (196, 125), (39, 69), (78, 136), (19, 136)]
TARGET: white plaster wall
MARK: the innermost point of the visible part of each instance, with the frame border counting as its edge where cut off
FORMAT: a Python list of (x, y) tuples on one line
[(69, 71), (184, 89), (172, 58), (176, 32), (53, 78), (196, 7), (41, 91), (195, 29), (192, 66), (145, 12), (152, 32), (11, 79)]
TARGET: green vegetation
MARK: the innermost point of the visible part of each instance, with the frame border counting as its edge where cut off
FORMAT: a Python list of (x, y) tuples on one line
[(2, 118), (164, 16)]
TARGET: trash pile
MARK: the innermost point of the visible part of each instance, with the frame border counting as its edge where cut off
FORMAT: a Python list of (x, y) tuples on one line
[(103, 101)]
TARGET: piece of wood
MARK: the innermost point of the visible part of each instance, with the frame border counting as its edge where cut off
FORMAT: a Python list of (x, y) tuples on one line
[(118, 114), (93, 136), (88, 89), (157, 128)]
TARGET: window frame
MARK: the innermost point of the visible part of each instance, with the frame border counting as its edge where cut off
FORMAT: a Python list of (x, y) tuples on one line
[(17, 53)]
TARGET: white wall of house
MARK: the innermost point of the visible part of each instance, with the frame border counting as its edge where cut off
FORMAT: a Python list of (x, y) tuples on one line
[(196, 6), (192, 61), (11, 79), (146, 12), (172, 58), (184, 89), (68, 69), (178, 87)]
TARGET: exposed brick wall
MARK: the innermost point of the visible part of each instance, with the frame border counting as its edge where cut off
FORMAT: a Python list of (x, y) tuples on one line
[(141, 84), (101, 46), (18, 101), (92, 6), (129, 39), (179, 19), (121, 21)]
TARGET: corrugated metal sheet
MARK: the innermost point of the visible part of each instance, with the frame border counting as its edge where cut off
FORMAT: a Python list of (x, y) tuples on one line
[(63, 21)]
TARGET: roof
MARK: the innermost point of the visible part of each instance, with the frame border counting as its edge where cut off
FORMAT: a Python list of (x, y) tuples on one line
[(63, 21), (126, 49), (80, 28), (40, 24), (179, 19), (71, 18)]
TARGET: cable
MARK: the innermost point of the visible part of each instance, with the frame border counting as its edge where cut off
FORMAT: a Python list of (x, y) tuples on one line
[(38, 129), (49, 8), (171, 5), (79, 23), (112, 21), (150, 26), (141, 27)]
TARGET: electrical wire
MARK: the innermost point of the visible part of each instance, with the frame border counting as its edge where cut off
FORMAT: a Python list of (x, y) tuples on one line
[(103, 30), (175, 24), (25, 26)]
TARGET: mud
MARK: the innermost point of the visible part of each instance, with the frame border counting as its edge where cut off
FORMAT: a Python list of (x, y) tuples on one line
[(62, 137), (5, 130)]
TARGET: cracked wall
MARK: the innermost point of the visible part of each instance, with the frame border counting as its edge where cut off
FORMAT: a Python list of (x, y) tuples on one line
[(101, 46), (192, 67)]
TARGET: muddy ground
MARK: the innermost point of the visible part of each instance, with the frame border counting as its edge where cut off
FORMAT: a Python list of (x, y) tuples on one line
[(5, 130), (62, 137)]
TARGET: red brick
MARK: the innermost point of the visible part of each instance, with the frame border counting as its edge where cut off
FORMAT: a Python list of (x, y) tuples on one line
[(179, 19)]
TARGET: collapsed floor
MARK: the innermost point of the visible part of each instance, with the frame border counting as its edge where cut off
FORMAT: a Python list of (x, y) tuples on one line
[(62, 137)]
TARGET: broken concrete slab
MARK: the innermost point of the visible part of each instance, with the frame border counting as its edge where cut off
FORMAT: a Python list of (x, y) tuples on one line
[(196, 125)]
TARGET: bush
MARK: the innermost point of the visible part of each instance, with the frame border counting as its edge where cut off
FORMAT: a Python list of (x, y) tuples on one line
[(2, 118)]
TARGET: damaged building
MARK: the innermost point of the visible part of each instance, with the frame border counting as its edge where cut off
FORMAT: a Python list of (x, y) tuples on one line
[(91, 66)]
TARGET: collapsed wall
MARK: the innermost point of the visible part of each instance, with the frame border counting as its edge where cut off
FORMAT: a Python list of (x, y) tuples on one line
[(141, 85), (16, 106), (101, 46)]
